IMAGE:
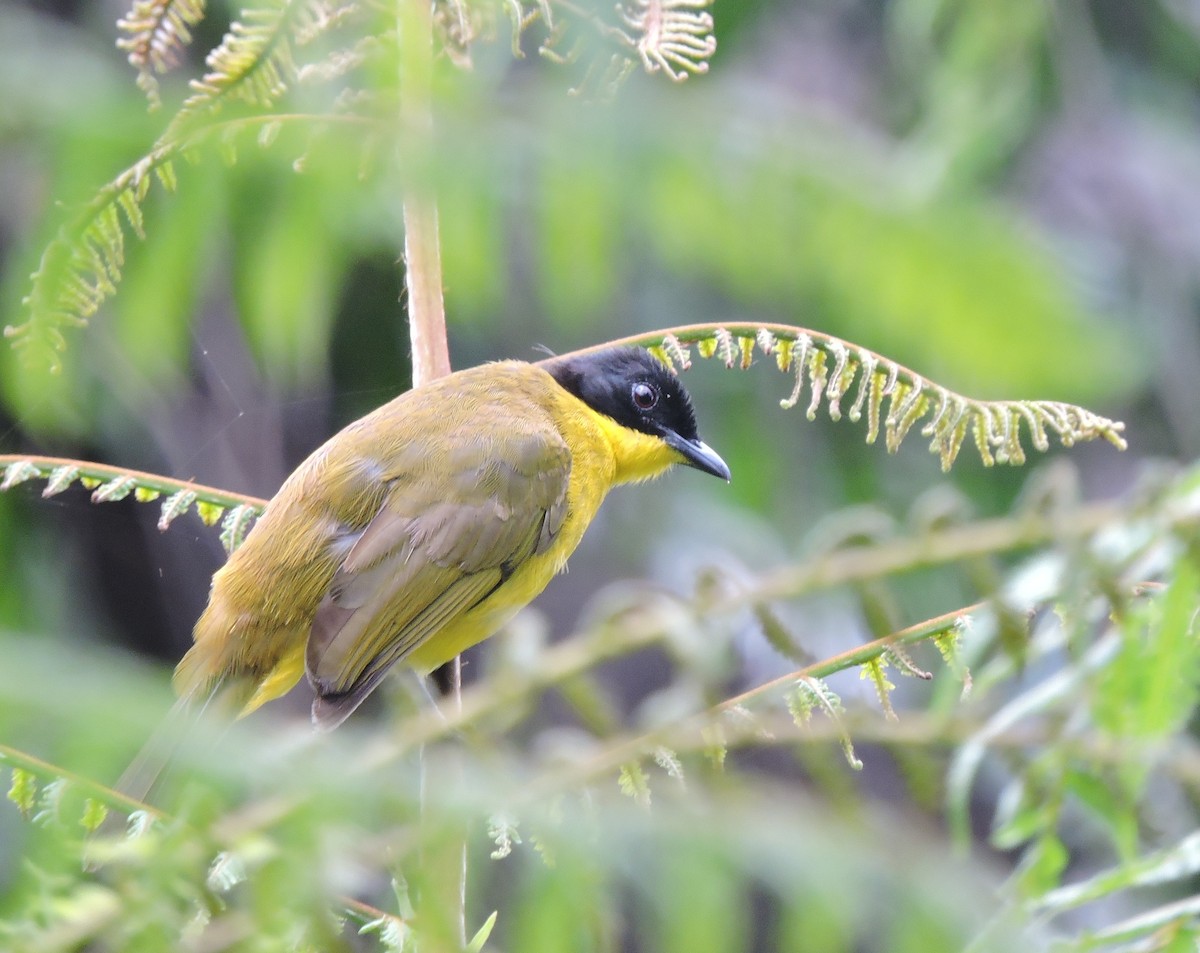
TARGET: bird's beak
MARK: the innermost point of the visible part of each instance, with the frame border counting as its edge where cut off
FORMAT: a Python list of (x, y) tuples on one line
[(698, 454)]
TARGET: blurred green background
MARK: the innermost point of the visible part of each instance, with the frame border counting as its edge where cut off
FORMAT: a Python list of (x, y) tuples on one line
[(1004, 197)]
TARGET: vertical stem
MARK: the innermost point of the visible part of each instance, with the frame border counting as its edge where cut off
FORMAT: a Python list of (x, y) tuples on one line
[(422, 256), (423, 263), (423, 278)]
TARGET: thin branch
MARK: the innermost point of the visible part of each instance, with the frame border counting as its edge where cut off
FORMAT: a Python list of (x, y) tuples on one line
[(689, 731), (859, 655), (93, 789), (573, 655), (93, 473)]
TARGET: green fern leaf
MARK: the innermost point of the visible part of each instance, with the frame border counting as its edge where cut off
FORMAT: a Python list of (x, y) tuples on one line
[(175, 506), (23, 791), (114, 490), (874, 671), (60, 479), (81, 266), (948, 646), (830, 367), (254, 63), (17, 472), (210, 513), (634, 783), (113, 483), (156, 33), (715, 746), (94, 814), (809, 694), (236, 525)]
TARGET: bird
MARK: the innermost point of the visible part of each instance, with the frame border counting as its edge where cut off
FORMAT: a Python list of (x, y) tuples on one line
[(420, 529)]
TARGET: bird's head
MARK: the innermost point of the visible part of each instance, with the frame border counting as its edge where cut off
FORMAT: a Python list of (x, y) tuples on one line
[(631, 387)]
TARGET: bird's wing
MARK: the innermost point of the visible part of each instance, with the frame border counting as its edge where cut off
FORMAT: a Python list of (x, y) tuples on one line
[(444, 538)]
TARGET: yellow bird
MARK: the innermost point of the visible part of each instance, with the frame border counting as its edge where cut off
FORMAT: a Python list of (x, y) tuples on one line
[(421, 528)]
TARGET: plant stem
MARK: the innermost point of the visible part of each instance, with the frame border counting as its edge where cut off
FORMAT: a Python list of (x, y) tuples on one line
[(423, 263), (51, 772), (422, 255)]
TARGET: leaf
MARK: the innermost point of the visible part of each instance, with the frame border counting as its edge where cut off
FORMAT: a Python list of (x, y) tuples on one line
[(482, 934), (874, 670), (1150, 689), (634, 783), (502, 829), (156, 33), (23, 791), (809, 694), (253, 63), (17, 473), (94, 814), (59, 480), (669, 761), (1110, 804), (210, 513), (236, 525), (1042, 866), (998, 427), (1175, 864), (174, 507)]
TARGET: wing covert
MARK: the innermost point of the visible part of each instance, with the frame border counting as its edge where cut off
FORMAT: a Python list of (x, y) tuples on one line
[(447, 534)]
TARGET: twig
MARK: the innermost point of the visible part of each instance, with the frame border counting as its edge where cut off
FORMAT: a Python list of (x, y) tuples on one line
[(93, 789), (422, 259), (684, 732)]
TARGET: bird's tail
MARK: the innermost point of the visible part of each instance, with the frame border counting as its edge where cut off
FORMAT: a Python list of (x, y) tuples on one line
[(222, 700)]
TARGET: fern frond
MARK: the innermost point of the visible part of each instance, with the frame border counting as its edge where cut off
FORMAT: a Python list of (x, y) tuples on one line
[(674, 36), (23, 790), (715, 745), (809, 694), (893, 398), (874, 670), (948, 647), (634, 783), (669, 761), (156, 33), (109, 484), (254, 63), (502, 829), (81, 266)]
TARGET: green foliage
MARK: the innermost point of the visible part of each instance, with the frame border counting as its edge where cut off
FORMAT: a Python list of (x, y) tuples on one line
[(1057, 725)]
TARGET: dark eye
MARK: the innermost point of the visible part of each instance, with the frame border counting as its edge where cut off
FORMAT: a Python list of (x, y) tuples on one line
[(645, 396)]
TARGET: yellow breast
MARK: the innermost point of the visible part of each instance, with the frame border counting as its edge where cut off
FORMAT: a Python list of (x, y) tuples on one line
[(603, 454)]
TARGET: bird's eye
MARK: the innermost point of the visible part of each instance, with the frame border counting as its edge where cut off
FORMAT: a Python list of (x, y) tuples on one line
[(645, 396)]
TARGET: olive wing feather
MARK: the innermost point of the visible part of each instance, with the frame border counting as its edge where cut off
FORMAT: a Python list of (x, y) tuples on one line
[(443, 539)]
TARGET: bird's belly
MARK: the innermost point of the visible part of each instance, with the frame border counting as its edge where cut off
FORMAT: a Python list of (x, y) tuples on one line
[(591, 475), (481, 621)]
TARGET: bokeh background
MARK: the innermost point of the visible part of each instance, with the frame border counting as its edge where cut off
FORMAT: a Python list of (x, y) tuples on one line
[(1004, 197)]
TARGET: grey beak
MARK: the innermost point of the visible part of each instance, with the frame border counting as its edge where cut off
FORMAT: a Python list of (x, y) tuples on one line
[(698, 454)]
